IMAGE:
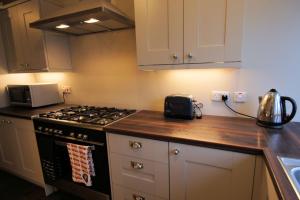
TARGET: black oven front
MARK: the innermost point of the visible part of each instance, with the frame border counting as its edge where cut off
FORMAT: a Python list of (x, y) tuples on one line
[(52, 141)]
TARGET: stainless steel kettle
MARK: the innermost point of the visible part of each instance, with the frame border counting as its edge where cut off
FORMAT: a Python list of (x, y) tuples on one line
[(272, 110)]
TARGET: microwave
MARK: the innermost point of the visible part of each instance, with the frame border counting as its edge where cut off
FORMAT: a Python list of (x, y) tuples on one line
[(34, 95)]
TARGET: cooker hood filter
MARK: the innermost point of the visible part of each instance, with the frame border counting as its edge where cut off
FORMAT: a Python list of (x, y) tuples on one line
[(85, 17)]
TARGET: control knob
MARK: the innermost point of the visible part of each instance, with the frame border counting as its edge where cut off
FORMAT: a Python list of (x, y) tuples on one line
[(85, 137)]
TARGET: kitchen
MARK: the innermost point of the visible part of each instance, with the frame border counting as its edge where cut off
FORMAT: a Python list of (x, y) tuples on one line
[(105, 72)]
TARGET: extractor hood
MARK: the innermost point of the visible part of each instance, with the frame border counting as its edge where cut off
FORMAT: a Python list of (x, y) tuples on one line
[(85, 17)]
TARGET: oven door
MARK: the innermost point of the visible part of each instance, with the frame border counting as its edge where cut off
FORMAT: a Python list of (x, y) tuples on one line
[(100, 188)]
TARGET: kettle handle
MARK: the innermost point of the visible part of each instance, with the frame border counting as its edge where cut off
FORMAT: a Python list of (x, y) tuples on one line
[(288, 118)]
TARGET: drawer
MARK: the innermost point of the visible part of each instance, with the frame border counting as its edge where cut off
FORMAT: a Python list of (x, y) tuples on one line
[(143, 175), (122, 193), (138, 147)]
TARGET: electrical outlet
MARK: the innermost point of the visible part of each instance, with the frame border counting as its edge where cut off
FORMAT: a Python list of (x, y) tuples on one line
[(66, 89), (239, 97), (217, 95)]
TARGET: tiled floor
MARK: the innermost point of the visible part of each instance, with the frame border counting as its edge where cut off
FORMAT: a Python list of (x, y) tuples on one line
[(14, 188)]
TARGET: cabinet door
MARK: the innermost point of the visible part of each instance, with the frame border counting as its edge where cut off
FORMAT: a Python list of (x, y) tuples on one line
[(29, 156), (209, 174), (18, 149), (13, 41), (33, 38), (9, 147), (264, 188), (212, 30), (159, 34)]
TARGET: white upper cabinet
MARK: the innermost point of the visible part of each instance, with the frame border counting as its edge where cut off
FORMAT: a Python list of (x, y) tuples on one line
[(159, 33), (32, 50), (212, 30), (189, 32), (28, 42)]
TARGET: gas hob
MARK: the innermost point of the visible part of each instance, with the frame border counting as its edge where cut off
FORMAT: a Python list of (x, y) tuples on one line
[(87, 115)]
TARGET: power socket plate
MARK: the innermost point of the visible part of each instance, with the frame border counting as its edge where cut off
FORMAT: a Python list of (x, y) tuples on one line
[(217, 95), (66, 89)]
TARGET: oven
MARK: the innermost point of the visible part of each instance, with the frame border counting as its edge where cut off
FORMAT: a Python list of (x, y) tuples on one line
[(52, 139)]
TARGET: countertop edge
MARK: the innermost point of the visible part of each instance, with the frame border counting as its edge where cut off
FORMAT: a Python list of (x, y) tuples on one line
[(16, 116), (222, 146)]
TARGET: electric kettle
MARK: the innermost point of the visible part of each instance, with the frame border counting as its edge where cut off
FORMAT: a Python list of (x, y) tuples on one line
[(272, 110)]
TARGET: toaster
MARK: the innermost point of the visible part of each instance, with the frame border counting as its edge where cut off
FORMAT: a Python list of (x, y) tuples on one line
[(179, 106)]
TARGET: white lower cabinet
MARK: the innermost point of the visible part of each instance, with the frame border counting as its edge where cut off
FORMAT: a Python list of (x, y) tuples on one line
[(9, 148), (123, 193), (18, 149), (187, 173), (264, 188), (142, 175), (139, 168), (210, 174)]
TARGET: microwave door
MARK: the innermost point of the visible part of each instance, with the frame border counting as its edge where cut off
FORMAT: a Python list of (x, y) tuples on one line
[(19, 95)]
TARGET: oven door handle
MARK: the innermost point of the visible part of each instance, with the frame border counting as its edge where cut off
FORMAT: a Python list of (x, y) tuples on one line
[(74, 140), (59, 143)]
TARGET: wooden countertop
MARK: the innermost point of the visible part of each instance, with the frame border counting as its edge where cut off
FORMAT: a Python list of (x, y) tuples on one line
[(26, 112), (229, 133)]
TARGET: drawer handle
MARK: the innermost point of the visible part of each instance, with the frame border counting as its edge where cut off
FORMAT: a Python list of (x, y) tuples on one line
[(136, 165), (176, 151), (135, 145), (175, 57), (138, 197)]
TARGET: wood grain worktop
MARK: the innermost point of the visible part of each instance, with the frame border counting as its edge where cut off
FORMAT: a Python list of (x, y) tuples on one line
[(28, 112), (229, 133)]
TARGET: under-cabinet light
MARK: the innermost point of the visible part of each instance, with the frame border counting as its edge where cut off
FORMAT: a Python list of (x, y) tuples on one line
[(91, 20), (62, 26)]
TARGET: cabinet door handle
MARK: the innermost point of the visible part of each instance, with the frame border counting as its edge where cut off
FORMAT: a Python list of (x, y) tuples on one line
[(175, 57), (8, 122), (176, 151), (136, 165), (138, 197), (135, 145), (190, 55), (2, 121)]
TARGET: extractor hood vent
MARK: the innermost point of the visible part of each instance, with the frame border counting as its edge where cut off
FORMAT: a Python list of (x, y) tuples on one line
[(85, 17)]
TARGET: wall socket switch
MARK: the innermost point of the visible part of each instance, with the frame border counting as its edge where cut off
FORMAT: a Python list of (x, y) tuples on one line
[(217, 95), (66, 89), (240, 97)]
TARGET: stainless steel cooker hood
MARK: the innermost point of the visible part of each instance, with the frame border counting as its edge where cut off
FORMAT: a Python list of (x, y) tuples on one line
[(85, 17)]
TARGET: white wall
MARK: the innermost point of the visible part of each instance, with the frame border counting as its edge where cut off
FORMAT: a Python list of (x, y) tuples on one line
[(106, 74), (271, 52)]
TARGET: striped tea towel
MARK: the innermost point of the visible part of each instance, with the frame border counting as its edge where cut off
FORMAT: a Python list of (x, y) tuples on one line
[(82, 163)]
